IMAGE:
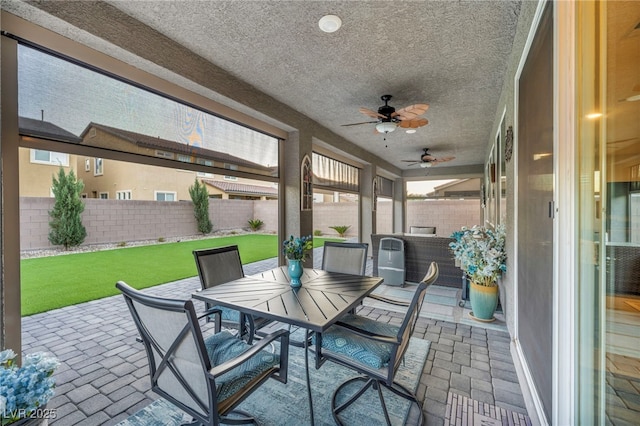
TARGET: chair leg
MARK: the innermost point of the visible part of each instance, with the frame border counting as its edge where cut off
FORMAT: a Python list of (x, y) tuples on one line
[(336, 410), (245, 418), (396, 388)]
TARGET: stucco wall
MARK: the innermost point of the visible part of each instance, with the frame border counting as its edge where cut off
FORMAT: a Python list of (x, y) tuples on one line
[(114, 221)]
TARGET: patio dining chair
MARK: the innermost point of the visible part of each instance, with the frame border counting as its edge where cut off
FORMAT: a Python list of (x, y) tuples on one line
[(346, 258), (218, 266), (374, 349), (207, 377)]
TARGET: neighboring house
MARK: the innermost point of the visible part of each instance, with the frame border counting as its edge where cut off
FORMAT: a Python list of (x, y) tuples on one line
[(457, 188), (239, 190), (37, 167), (111, 179)]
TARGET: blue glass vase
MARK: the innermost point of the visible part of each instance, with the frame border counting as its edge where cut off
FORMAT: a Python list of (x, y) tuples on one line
[(295, 272)]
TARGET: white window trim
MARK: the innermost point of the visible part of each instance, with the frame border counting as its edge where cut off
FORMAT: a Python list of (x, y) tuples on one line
[(124, 191), (155, 195), (87, 164), (64, 163), (96, 171)]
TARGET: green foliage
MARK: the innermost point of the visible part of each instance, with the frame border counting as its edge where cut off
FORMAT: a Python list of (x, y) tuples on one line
[(200, 197), (66, 227), (161, 240), (122, 244), (341, 229), (255, 224), (317, 232), (57, 281)]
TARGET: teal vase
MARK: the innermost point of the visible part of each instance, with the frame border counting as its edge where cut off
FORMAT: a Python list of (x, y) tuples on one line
[(484, 301), (295, 272)]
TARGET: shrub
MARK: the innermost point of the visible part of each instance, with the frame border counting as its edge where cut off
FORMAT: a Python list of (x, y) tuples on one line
[(341, 229), (122, 244), (161, 240), (200, 198), (255, 224), (317, 233), (66, 223)]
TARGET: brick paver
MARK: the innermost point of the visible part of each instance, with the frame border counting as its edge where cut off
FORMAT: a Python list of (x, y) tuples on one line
[(103, 377)]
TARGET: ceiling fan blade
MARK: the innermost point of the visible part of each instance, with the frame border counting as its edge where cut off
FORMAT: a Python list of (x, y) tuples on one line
[(357, 124), (411, 112), (427, 158), (413, 162), (370, 113), (443, 159), (413, 123)]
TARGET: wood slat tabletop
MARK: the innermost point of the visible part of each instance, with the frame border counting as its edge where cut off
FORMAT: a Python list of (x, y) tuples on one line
[(322, 299)]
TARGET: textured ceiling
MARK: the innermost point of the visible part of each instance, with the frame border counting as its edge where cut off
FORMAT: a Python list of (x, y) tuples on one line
[(451, 55)]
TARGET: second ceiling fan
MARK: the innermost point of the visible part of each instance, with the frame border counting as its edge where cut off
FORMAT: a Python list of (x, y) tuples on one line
[(428, 160), (387, 118)]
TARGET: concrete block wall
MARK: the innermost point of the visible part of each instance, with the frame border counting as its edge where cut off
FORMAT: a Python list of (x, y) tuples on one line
[(335, 214), (267, 211), (446, 215), (114, 221)]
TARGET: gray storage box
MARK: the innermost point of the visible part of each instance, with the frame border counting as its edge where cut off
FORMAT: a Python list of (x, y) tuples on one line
[(391, 261)]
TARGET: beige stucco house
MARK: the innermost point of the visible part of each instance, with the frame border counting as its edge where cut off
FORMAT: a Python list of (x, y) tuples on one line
[(112, 179), (39, 166)]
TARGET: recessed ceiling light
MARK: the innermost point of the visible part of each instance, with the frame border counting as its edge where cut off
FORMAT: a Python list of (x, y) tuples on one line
[(411, 131), (330, 23)]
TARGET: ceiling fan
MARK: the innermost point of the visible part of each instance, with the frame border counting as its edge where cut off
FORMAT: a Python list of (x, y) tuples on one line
[(428, 160), (387, 118)]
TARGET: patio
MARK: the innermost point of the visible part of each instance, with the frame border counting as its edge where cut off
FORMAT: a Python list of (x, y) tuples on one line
[(103, 377)]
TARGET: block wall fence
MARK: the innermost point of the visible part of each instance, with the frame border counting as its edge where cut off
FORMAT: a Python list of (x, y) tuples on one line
[(115, 221)]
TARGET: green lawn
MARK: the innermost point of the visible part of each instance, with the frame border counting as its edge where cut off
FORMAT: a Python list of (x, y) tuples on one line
[(54, 282)]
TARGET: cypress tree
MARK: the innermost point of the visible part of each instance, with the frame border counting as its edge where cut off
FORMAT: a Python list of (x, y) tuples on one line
[(200, 198), (66, 224)]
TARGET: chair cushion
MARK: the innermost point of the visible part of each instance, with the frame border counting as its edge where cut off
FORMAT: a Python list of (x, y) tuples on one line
[(227, 314), (368, 352), (224, 346)]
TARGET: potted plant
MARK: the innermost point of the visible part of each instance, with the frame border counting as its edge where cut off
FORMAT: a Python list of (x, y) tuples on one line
[(25, 391), (481, 254), (296, 250)]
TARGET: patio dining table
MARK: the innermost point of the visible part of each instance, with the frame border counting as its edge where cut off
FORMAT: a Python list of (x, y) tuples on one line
[(321, 300)]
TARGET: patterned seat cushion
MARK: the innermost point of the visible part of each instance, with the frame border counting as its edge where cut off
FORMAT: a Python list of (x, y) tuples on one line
[(224, 346), (227, 314), (366, 351)]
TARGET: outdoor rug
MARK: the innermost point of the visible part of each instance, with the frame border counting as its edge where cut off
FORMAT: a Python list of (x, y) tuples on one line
[(278, 404)]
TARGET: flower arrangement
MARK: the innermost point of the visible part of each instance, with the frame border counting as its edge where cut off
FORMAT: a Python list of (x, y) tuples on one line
[(297, 248), (481, 253), (23, 390)]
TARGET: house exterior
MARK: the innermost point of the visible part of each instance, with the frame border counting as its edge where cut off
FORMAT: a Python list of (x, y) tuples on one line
[(113, 179), (38, 166)]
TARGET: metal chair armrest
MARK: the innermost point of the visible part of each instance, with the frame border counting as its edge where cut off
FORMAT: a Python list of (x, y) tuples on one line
[(283, 335), (367, 334), (390, 300)]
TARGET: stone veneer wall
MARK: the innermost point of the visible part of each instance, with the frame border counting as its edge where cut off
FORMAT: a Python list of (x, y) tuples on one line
[(114, 221)]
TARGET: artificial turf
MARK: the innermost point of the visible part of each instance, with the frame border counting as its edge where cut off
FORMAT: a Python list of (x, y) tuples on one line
[(58, 281)]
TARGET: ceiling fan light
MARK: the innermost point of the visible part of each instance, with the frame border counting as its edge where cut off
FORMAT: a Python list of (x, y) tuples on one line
[(425, 165), (411, 131), (330, 23), (386, 127)]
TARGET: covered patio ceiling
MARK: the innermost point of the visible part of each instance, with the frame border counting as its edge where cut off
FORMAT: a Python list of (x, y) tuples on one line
[(451, 55)]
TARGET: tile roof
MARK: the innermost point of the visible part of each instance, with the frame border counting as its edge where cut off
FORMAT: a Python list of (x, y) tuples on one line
[(241, 188)]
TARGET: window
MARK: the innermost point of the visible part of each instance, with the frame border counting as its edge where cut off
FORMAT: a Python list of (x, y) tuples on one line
[(49, 157), (98, 171), (123, 195), (104, 195), (230, 167), (165, 196), (87, 165)]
